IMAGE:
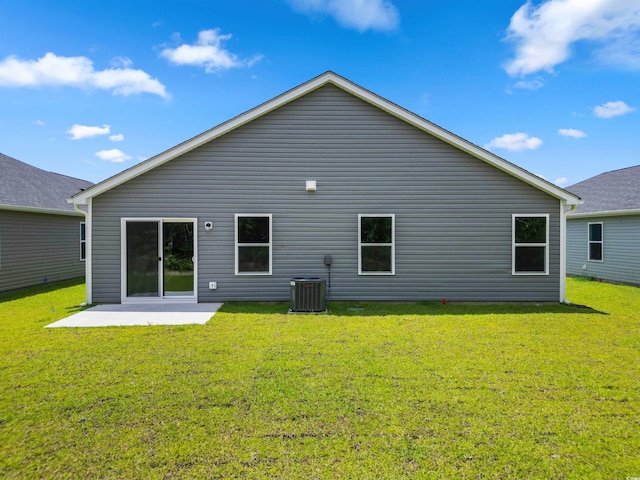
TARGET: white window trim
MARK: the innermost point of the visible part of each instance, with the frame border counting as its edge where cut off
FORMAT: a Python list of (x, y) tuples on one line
[(514, 245), (238, 245), (589, 241), (83, 242), (392, 244)]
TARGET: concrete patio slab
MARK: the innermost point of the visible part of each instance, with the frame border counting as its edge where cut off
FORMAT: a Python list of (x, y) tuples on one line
[(140, 314)]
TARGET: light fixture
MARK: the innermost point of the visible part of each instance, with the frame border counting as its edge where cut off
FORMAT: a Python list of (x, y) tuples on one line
[(311, 185)]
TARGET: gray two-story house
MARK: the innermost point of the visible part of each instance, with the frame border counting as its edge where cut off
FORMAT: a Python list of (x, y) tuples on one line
[(327, 172)]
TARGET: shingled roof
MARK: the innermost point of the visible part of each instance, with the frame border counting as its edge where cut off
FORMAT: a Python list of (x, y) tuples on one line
[(616, 191), (23, 186)]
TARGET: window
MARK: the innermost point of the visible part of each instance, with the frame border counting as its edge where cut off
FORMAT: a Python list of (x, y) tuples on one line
[(83, 241), (530, 255), (596, 239), (376, 244), (253, 244)]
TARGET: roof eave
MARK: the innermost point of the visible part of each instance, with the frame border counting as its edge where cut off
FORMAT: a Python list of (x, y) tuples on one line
[(609, 213), (48, 211)]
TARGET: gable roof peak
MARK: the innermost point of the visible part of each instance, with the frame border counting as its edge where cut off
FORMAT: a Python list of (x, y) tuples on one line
[(328, 77)]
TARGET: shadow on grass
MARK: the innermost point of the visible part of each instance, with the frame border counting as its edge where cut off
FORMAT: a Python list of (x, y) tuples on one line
[(420, 308), (22, 293)]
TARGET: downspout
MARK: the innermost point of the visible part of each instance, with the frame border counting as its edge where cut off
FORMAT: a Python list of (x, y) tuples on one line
[(563, 248), (87, 253)]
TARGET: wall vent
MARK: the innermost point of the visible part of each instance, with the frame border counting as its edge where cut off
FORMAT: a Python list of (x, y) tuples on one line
[(308, 295)]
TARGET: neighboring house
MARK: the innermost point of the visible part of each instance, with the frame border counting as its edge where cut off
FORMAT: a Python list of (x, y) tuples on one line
[(603, 234), (40, 232), (405, 209)]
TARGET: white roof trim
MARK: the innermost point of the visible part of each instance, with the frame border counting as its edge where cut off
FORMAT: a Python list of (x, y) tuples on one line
[(324, 79), (611, 213), (48, 211)]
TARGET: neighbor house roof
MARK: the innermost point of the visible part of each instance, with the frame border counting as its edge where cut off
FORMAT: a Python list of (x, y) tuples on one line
[(328, 78), (24, 187), (610, 193)]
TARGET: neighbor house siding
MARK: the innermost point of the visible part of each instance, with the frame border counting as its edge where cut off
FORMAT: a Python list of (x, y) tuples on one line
[(453, 212), (38, 248), (621, 249)]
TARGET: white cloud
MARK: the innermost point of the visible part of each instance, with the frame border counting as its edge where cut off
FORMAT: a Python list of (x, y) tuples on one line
[(207, 52), (361, 15), (558, 181), (124, 62), (612, 109), (78, 72), (544, 33), (572, 132), (561, 181), (85, 131), (126, 81), (40, 123), (623, 51), (114, 155), (535, 84), (116, 138), (515, 142)]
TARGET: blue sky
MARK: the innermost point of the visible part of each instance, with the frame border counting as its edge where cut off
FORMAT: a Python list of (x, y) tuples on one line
[(88, 89)]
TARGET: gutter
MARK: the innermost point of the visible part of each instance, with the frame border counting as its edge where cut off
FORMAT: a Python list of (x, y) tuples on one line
[(605, 213), (47, 211), (77, 208)]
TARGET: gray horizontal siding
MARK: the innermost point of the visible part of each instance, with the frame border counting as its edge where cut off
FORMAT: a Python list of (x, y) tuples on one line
[(621, 249), (38, 248), (453, 212)]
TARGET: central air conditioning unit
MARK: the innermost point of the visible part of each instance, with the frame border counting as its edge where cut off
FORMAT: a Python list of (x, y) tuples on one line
[(308, 295)]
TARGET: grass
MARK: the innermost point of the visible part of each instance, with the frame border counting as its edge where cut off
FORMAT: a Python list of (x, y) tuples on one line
[(366, 391)]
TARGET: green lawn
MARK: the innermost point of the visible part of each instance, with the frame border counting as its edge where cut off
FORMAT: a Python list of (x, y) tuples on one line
[(367, 391)]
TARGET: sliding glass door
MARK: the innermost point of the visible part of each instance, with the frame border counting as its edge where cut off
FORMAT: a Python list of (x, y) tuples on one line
[(159, 258)]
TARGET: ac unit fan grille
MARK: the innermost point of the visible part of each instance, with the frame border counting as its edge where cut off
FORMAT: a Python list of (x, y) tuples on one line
[(308, 295)]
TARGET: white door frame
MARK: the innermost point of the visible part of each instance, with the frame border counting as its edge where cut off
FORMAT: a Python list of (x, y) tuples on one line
[(123, 261)]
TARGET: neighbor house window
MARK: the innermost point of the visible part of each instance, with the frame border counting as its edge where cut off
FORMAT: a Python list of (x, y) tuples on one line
[(83, 241), (530, 255), (253, 244), (376, 244), (596, 239)]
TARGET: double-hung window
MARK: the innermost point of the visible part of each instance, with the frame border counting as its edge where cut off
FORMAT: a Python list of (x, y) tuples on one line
[(83, 241), (596, 242), (253, 244), (376, 244), (530, 254)]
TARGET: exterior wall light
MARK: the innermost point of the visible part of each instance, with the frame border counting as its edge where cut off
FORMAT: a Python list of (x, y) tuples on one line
[(311, 185)]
